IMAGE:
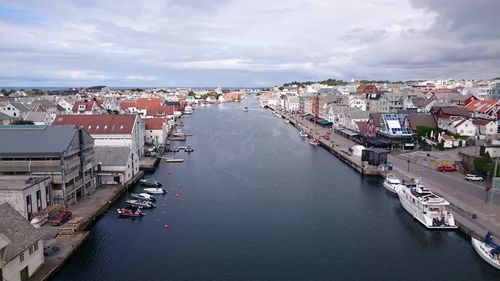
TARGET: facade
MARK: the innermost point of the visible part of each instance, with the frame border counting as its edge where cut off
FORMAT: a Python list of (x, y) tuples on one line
[(358, 103), (458, 125), (292, 103), (395, 130), (116, 165), (14, 109), (390, 102), (64, 153), (495, 90), (21, 246), (87, 107), (157, 129), (26, 194), (109, 130)]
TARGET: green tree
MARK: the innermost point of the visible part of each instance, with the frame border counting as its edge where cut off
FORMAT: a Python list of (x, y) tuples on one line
[(22, 122), (484, 165)]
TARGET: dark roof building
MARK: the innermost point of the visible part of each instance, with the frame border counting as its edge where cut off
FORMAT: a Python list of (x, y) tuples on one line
[(17, 230)]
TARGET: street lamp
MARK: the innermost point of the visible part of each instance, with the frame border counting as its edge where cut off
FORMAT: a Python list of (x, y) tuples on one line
[(408, 161)]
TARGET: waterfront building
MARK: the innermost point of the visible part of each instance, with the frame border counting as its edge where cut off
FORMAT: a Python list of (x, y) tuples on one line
[(394, 129), (65, 153), (115, 165), (109, 130), (292, 103), (157, 129), (21, 246), (26, 194)]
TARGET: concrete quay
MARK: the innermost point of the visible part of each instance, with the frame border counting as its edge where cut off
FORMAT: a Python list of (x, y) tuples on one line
[(335, 146), (473, 215), (90, 209)]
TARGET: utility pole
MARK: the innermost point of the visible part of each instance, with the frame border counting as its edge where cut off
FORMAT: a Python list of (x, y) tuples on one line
[(493, 187)]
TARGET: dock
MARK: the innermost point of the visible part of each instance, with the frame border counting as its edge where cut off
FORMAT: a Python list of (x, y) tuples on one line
[(172, 160), (148, 164)]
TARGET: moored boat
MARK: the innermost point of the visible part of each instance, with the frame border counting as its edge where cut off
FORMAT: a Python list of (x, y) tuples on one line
[(245, 109), (188, 148), (188, 109), (143, 196), (303, 134), (155, 190), (314, 143), (150, 182), (130, 212), (392, 183), (426, 207), (487, 250), (140, 203)]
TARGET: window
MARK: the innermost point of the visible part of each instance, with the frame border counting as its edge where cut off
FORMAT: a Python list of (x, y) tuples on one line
[(21, 257), (30, 250), (36, 246)]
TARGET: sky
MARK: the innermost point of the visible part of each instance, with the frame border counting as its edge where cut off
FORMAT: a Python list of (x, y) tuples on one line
[(244, 43)]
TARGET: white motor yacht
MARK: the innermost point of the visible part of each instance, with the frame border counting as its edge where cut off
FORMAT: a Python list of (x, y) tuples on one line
[(188, 109), (303, 134), (392, 183), (487, 250), (426, 207)]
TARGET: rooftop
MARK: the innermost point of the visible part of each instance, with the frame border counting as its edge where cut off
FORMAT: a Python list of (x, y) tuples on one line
[(17, 229)]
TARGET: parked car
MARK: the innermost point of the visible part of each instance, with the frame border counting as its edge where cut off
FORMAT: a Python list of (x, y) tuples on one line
[(50, 250), (446, 168), (59, 217), (472, 177)]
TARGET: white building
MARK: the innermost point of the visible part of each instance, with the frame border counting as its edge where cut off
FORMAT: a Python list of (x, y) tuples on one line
[(116, 165), (358, 103), (109, 130), (157, 129), (21, 246), (25, 194), (292, 103), (458, 125), (14, 109)]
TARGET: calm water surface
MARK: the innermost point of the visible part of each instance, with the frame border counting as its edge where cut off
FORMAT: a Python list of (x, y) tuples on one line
[(255, 202)]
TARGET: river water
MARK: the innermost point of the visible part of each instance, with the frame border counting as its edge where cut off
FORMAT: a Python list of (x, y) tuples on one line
[(255, 202)]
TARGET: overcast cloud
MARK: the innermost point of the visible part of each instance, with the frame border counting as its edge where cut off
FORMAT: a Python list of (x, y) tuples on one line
[(244, 42)]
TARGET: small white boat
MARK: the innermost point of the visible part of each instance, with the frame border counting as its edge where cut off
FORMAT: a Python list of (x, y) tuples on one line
[(150, 182), (287, 121), (245, 109), (143, 196), (314, 143), (487, 250), (303, 134), (188, 109), (140, 203), (392, 183), (155, 190), (426, 207)]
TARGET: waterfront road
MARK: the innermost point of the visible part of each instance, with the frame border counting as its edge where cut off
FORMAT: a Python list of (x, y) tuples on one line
[(468, 199)]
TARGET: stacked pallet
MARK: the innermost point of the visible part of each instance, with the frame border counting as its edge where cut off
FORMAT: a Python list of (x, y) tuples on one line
[(70, 228)]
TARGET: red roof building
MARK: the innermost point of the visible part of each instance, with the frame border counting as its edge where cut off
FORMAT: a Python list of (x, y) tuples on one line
[(364, 89), (109, 130), (87, 106), (489, 109)]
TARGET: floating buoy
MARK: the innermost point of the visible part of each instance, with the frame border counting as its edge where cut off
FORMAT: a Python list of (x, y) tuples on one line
[(165, 226), (177, 195)]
